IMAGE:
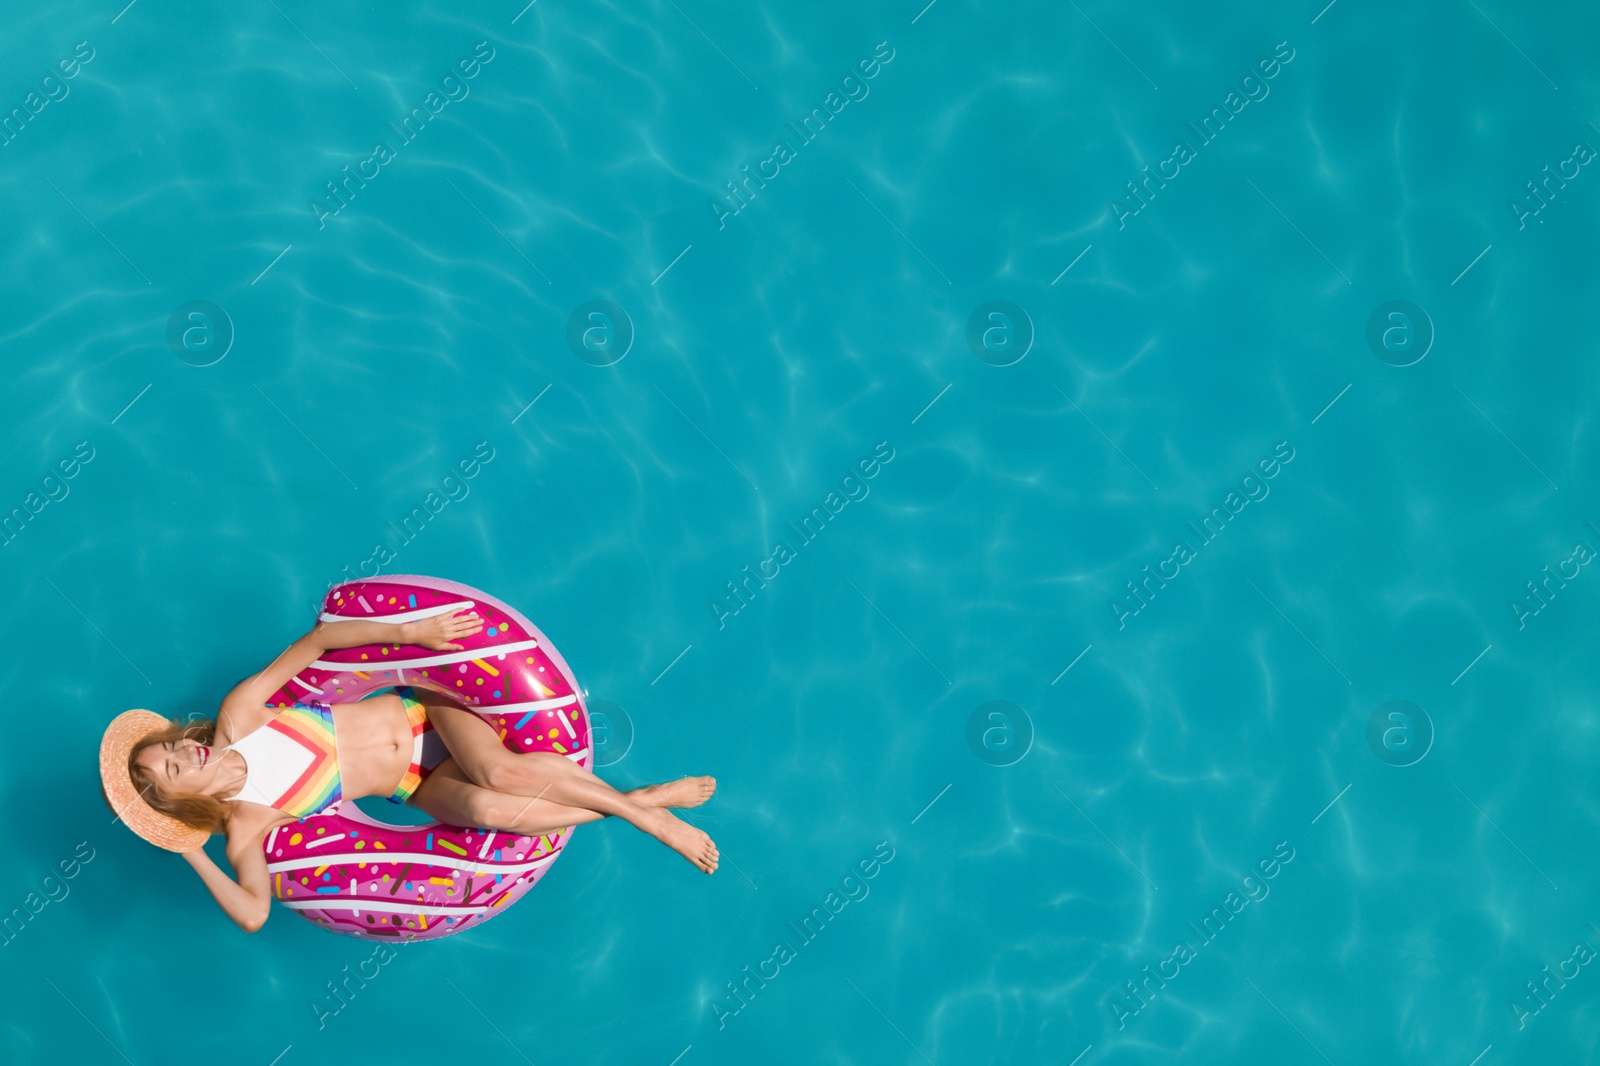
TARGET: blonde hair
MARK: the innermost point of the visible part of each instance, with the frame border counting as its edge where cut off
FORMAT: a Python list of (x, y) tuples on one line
[(192, 809)]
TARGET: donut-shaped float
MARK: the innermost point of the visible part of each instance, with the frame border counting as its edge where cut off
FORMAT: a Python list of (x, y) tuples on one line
[(360, 876)]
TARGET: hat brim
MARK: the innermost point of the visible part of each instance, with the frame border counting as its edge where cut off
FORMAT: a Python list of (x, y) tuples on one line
[(162, 830)]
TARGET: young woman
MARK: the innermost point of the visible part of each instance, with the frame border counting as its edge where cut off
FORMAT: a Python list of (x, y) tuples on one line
[(175, 784)]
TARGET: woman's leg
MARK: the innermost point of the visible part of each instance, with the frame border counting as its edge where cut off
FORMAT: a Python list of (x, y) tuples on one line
[(477, 751), (450, 796)]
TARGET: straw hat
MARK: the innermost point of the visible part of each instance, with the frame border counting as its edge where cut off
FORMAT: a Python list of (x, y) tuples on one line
[(126, 730)]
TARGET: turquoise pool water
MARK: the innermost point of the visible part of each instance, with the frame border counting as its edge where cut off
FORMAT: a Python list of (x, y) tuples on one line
[(1202, 673)]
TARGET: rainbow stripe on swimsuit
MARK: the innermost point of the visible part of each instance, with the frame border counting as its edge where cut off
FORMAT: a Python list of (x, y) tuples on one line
[(292, 761), (320, 785)]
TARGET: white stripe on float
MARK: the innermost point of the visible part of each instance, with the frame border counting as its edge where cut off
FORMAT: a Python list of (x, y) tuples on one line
[(576, 755), (572, 734), (523, 708), (401, 616), (425, 858), (334, 903), (325, 840), (273, 837), (432, 660), (485, 849), (318, 691)]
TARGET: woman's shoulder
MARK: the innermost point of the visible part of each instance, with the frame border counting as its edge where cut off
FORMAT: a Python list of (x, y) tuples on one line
[(237, 719), (250, 822)]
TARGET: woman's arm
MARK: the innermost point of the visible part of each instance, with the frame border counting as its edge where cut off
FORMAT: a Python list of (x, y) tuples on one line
[(251, 694), (247, 901), (437, 632)]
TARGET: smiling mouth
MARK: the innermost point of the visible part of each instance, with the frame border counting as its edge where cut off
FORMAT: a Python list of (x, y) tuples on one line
[(205, 754)]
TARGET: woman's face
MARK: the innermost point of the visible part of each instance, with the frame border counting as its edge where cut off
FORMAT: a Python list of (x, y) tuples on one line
[(181, 767)]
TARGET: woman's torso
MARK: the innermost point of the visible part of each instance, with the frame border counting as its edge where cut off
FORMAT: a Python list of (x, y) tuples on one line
[(373, 742)]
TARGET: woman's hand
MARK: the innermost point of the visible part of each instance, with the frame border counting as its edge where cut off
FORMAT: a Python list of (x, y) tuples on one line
[(441, 631)]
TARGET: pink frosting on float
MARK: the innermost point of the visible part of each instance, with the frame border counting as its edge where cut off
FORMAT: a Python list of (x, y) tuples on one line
[(359, 876)]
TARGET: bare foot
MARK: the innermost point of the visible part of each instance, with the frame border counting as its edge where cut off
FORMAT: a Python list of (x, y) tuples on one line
[(693, 844), (684, 792)]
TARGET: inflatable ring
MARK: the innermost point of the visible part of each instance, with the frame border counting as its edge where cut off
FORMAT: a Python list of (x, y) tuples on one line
[(361, 876)]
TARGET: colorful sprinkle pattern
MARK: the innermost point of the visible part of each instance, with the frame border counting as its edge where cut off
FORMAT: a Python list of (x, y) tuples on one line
[(436, 879)]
